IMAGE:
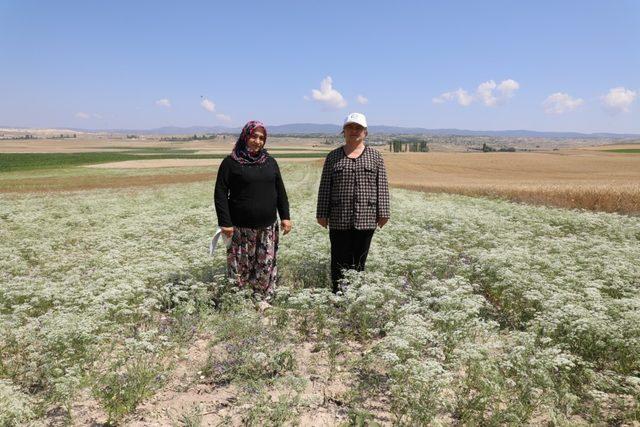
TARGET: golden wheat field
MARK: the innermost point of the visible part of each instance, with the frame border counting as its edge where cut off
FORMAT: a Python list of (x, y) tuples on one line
[(585, 178)]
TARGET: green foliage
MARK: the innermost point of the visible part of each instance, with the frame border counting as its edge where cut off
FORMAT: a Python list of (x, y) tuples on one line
[(267, 411), (247, 349), (190, 418), (625, 150), (15, 406), (121, 388), (411, 145)]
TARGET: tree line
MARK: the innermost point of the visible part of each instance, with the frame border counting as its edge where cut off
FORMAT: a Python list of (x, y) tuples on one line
[(400, 146)]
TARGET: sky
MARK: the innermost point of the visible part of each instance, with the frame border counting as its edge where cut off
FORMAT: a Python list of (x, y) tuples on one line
[(492, 65)]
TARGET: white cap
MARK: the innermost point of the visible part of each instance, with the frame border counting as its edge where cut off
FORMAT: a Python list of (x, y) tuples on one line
[(356, 118)]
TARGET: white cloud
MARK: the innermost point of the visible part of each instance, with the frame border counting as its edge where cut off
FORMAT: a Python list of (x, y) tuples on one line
[(223, 117), (96, 116), (489, 93), (361, 99), (82, 115), (485, 93), (327, 95), (619, 99), (208, 105), (461, 96), (560, 103), (508, 87), (164, 102)]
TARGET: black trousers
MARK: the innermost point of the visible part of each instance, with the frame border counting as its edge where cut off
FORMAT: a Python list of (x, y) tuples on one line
[(349, 250)]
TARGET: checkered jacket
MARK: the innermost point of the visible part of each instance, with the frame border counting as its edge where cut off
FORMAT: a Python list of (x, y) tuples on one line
[(353, 193)]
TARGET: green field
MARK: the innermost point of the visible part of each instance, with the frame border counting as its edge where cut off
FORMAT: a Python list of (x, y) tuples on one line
[(11, 162), (625, 150)]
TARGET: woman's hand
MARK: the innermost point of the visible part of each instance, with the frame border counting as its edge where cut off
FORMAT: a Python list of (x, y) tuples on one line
[(382, 222), (286, 226), (323, 222), (227, 231)]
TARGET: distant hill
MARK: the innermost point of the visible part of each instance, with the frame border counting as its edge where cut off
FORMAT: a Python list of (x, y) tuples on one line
[(331, 129)]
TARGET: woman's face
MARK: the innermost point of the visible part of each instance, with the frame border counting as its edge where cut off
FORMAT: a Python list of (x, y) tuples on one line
[(255, 142), (354, 133)]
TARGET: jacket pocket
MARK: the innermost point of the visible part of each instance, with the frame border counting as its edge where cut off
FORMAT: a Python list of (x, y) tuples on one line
[(370, 174), (340, 176), (338, 169)]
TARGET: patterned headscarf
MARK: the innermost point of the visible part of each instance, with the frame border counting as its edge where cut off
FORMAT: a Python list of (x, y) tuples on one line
[(240, 152)]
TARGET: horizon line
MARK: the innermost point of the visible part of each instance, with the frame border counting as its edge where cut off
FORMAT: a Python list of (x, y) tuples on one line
[(98, 130)]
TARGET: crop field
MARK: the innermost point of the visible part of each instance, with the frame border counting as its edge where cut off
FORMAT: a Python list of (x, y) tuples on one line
[(54, 165), (10, 162), (93, 143), (626, 150), (472, 311), (592, 179)]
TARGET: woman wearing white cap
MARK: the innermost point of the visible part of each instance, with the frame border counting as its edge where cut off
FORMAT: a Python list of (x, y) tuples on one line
[(353, 198)]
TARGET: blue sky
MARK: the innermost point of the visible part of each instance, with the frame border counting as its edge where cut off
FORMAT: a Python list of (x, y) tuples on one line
[(543, 65)]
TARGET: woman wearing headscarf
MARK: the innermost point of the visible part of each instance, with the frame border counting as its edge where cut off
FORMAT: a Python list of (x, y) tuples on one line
[(249, 193)]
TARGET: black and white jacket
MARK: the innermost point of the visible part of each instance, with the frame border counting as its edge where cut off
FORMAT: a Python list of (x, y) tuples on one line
[(353, 193)]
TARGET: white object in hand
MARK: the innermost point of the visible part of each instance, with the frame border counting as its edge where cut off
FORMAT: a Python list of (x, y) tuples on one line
[(214, 241)]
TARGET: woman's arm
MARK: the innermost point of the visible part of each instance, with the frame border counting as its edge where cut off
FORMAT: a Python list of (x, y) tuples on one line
[(324, 194), (384, 208), (221, 195), (283, 201)]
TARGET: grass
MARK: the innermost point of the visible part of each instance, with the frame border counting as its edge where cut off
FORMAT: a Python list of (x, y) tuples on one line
[(625, 150), (121, 389), (11, 162), (154, 150)]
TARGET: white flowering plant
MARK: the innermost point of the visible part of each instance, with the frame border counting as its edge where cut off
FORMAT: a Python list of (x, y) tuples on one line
[(471, 310)]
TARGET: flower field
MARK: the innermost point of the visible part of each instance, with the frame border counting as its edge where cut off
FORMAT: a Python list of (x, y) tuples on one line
[(472, 311)]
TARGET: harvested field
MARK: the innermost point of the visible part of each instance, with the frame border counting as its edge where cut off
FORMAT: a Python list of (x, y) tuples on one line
[(176, 163), (614, 147), (601, 181), (12, 162), (121, 175), (92, 182), (589, 178), (92, 143)]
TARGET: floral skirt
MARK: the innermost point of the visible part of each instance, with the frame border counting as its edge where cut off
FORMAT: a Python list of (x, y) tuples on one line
[(251, 258)]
